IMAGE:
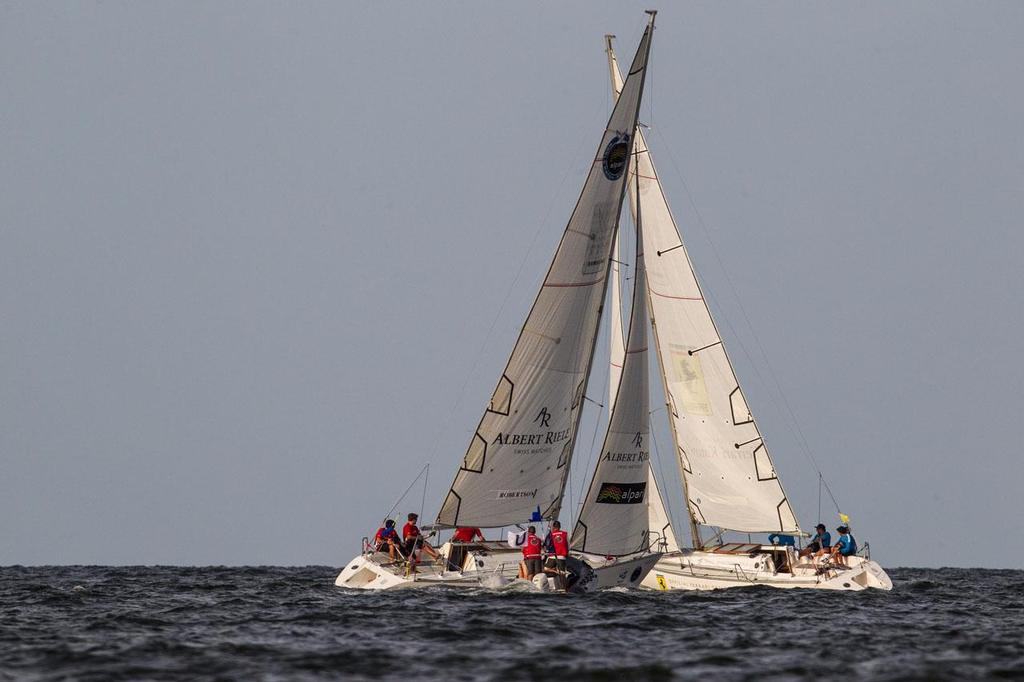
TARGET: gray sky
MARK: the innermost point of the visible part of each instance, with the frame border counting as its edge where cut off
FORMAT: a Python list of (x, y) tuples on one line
[(250, 255)]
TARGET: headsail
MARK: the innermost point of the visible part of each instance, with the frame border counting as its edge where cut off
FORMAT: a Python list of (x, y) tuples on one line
[(658, 519), (518, 459), (613, 520), (729, 478)]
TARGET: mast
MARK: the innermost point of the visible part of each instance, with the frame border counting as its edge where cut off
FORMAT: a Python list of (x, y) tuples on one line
[(655, 502), (698, 543), (518, 459), (728, 477), (617, 342)]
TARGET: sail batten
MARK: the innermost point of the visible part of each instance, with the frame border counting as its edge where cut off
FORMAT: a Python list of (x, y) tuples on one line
[(519, 457)]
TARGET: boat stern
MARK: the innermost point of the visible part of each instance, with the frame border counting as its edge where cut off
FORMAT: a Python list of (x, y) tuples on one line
[(874, 576), (627, 573), (363, 573)]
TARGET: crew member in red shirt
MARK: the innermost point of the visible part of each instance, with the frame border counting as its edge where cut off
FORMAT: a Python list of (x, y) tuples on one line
[(531, 554), (557, 545), (467, 534), (414, 540)]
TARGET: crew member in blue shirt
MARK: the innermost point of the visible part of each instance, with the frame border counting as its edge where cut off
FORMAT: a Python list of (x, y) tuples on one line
[(821, 543), (845, 546)]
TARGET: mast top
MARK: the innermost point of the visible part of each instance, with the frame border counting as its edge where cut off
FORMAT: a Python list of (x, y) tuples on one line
[(653, 13)]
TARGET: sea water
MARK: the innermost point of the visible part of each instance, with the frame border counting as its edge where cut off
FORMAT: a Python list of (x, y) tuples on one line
[(268, 623)]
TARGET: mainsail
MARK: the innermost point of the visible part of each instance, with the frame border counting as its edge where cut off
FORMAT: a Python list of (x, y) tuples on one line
[(520, 454), (728, 476), (613, 520)]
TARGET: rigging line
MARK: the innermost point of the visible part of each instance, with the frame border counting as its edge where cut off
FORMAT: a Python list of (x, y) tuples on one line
[(801, 438), (426, 478), (501, 309), (395, 505), (829, 491), (819, 498), (661, 475), (649, 87), (593, 440), (572, 509)]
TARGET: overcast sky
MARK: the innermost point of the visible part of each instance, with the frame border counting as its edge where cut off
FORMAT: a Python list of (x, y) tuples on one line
[(260, 262)]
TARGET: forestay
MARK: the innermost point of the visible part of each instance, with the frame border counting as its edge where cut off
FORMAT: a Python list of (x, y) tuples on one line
[(613, 521), (519, 456), (729, 478)]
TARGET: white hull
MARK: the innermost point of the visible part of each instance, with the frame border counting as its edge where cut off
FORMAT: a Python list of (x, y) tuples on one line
[(765, 565), (486, 565)]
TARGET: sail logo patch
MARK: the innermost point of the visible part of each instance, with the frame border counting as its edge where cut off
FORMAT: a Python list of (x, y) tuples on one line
[(616, 157), (543, 417), (621, 493), (515, 494), (601, 227), (687, 377)]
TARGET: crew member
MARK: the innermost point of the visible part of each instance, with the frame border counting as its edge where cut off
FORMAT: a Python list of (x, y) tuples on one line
[(845, 546), (387, 539), (467, 534), (414, 540), (532, 564), (557, 545), (822, 540)]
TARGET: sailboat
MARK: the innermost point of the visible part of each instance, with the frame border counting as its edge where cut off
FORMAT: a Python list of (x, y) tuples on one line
[(729, 482), (516, 467)]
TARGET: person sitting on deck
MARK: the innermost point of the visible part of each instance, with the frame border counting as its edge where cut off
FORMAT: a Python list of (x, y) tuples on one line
[(845, 546), (414, 540), (822, 540), (467, 534), (387, 540)]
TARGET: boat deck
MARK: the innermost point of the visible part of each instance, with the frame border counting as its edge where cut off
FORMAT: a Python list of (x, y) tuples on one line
[(734, 548)]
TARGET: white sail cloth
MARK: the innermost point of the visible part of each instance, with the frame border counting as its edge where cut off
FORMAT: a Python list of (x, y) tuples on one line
[(519, 456), (613, 520), (729, 477)]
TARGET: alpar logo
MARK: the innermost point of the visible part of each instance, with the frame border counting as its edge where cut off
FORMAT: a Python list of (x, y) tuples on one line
[(621, 493)]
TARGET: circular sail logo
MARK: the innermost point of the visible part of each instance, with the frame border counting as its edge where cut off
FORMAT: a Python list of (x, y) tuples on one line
[(616, 156)]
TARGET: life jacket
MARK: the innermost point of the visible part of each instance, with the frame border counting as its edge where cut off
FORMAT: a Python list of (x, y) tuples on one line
[(384, 534), (531, 549), (560, 543)]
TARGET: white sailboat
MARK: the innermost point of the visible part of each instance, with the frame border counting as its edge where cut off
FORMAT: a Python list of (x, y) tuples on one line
[(517, 463), (729, 481)]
